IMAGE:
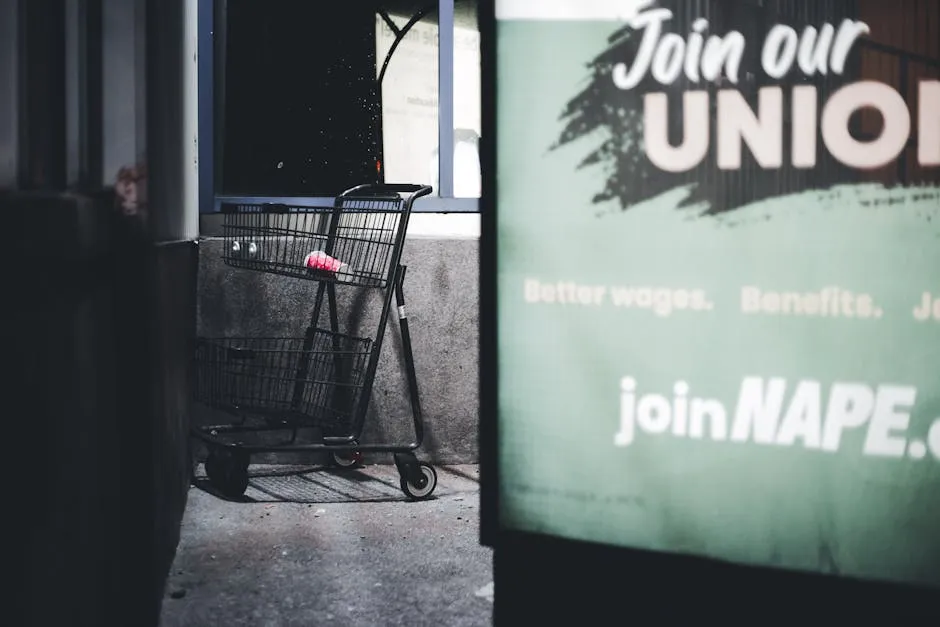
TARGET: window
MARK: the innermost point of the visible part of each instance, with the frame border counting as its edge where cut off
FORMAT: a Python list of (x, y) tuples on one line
[(299, 108), (466, 100), (409, 72), (406, 41), (298, 114)]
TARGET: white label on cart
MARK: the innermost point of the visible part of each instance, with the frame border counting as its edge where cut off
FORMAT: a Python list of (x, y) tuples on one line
[(401, 312)]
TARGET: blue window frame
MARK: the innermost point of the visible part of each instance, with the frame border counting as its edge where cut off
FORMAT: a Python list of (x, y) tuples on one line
[(210, 199)]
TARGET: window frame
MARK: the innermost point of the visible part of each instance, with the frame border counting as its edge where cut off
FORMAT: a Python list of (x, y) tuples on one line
[(210, 198)]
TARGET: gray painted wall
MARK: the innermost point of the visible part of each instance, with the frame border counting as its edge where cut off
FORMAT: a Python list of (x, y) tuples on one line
[(441, 292), (9, 123), (124, 110), (122, 89)]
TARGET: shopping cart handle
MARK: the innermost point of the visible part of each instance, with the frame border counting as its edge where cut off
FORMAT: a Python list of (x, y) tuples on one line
[(388, 189)]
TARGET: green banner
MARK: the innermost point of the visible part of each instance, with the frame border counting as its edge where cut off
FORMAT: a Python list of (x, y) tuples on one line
[(719, 282)]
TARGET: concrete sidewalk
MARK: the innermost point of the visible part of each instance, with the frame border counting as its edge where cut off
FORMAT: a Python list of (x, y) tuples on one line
[(316, 546)]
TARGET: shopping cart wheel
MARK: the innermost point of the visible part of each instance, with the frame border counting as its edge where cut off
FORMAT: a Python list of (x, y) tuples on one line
[(227, 470), (420, 488), (347, 459), (193, 462)]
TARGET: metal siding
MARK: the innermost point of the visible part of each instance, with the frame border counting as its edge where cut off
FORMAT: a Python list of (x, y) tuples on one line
[(908, 52)]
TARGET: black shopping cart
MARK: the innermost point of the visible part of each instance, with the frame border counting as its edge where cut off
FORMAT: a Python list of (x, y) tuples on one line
[(322, 380)]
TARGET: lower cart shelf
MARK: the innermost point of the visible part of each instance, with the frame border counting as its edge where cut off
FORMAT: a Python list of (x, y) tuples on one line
[(315, 380)]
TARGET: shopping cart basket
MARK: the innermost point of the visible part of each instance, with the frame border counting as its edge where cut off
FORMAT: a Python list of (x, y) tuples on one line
[(323, 380)]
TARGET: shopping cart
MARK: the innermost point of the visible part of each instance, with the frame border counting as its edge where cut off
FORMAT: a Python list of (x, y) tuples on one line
[(323, 380)]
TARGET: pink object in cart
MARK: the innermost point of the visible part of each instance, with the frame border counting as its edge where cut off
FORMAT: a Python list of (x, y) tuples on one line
[(319, 260)]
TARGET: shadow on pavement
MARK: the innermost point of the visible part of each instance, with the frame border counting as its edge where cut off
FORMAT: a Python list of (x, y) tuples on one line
[(327, 484)]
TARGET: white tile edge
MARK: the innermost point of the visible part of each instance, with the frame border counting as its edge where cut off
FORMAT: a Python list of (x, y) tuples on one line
[(569, 10)]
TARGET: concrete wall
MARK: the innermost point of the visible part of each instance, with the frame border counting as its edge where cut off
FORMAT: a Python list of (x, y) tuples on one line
[(174, 303), (100, 367), (441, 292)]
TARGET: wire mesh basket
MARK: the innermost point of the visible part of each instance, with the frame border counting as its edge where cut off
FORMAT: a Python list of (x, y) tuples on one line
[(316, 380), (353, 242)]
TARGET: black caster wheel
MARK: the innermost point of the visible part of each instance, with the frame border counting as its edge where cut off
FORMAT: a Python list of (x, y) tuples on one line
[(423, 487), (227, 470), (191, 460), (346, 459)]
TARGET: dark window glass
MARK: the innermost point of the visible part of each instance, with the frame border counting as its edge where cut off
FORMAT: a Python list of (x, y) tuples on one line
[(300, 100)]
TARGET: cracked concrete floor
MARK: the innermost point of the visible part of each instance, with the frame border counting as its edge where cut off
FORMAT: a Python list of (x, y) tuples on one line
[(312, 546)]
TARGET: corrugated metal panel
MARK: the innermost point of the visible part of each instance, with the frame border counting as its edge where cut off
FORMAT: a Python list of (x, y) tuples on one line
[(913, 54), (754, 19), (9, 122), (904, 50)]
